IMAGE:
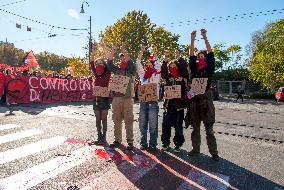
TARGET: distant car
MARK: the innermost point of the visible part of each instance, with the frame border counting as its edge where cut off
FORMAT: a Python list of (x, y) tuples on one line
[(279, 95)]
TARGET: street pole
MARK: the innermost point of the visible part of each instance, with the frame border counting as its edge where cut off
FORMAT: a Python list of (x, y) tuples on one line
[(90, 38)]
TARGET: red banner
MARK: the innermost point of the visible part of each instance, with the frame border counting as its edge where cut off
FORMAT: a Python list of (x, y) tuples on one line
[(22, 89), (2, 83)]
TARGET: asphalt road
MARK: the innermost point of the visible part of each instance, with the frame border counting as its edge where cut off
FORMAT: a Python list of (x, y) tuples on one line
[(47, 147)]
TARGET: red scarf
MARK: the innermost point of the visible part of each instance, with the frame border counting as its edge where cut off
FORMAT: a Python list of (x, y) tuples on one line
[(149, 72), (123, 65), (174, 72), (201, 64), (100, 70)]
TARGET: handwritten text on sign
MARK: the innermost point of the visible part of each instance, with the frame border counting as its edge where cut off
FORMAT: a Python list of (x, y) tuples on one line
[(199, 85), (100, 91), (172, 92), (119, 84), (147, 92)]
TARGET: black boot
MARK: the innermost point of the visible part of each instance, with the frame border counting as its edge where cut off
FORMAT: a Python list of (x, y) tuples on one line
[(99, 141)]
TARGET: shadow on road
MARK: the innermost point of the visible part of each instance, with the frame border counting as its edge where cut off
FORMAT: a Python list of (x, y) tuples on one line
[(169, 171)]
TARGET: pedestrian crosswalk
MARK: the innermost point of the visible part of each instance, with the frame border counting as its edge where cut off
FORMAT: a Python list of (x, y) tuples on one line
[(124, 172)]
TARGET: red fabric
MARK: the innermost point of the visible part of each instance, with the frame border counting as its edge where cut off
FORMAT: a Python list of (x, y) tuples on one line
[(103, 80), (2, 83), (21, 89), (31, 61), (100, 70), (149, 72), (174, 72), (123, 65), (201, 63)]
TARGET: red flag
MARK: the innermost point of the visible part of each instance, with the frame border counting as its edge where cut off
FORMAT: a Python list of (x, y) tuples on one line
[(31, 62), (2, 83)]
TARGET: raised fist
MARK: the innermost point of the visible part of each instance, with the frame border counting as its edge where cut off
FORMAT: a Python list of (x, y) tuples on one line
[(203, 32)]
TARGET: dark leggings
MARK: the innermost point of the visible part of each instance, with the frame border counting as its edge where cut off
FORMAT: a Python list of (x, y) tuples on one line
[(101, 121)]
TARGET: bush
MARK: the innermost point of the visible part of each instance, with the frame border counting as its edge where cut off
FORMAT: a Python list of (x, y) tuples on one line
[(261, 95)]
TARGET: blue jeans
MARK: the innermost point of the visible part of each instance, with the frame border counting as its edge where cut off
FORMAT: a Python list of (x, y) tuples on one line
[(148, 118)]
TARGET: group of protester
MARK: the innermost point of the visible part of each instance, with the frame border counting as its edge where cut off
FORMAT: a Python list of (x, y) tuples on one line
[(171, 72)]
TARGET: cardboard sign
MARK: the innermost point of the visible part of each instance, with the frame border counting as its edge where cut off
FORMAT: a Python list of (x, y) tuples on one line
[(199, 85), (119, 84), (147, 92), (100, 91), (171, 92)]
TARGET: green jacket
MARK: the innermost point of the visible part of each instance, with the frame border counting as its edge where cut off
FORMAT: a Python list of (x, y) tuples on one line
[(130, 71)]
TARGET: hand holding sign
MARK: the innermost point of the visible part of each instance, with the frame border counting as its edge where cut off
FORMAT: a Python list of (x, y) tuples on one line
[(172, 92), (100, 91), (119, 84), (199, 85), (147, 92)]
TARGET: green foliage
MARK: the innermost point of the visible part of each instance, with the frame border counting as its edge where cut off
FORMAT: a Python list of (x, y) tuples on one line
[(135, 28), (81, 68), (51, 62), (227, 57), (236, 74), (266, 55), (261, 95), (11, 55)]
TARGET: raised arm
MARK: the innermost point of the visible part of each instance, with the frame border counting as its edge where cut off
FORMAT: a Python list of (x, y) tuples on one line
[(140, 69), (110, 56), (92, 64), (154, 51), (191, 49), (140, 54), (125, 52), (208, 46)]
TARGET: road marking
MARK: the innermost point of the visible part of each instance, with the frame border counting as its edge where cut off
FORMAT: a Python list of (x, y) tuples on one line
[(203, 172), (19, 135), (30, 149), (33, 176), (8, 126), (123, 176)]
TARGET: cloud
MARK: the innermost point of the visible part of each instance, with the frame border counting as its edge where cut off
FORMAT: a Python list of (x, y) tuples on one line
[(73, 13)]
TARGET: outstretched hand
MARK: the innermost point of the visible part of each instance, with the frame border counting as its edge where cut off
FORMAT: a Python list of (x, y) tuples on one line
[(203, 33)]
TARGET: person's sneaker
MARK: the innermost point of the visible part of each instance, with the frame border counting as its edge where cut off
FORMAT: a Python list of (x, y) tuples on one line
[(165, 147), (152, 148), (215, 157), (115, 144), (143, 147), (177, 149), (130, 146), (99, 142), (193, 153)]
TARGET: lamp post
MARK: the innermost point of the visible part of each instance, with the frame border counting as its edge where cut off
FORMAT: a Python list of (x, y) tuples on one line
[(90, 28)]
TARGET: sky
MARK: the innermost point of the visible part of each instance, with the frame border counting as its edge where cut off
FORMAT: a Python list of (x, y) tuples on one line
[(66, 13)]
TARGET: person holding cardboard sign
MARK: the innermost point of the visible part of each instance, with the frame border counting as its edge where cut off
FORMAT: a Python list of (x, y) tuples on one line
[(174, 74), (148, 115), (122, 103), (201, 107), (101, 105)]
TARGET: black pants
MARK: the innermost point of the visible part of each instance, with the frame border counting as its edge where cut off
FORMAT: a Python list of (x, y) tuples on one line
[(240, 96), (202, 109), (173, 118)]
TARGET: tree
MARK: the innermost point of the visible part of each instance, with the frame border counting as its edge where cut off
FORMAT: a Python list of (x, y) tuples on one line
[(80, 66), (51, 61), (135, 28), (266, 55), (227, 58), (11, 55)]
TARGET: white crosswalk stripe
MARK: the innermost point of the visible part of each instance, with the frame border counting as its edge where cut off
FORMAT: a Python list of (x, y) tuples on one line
[(19, 135), (8, 126), (30, 149), (39, 173)]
